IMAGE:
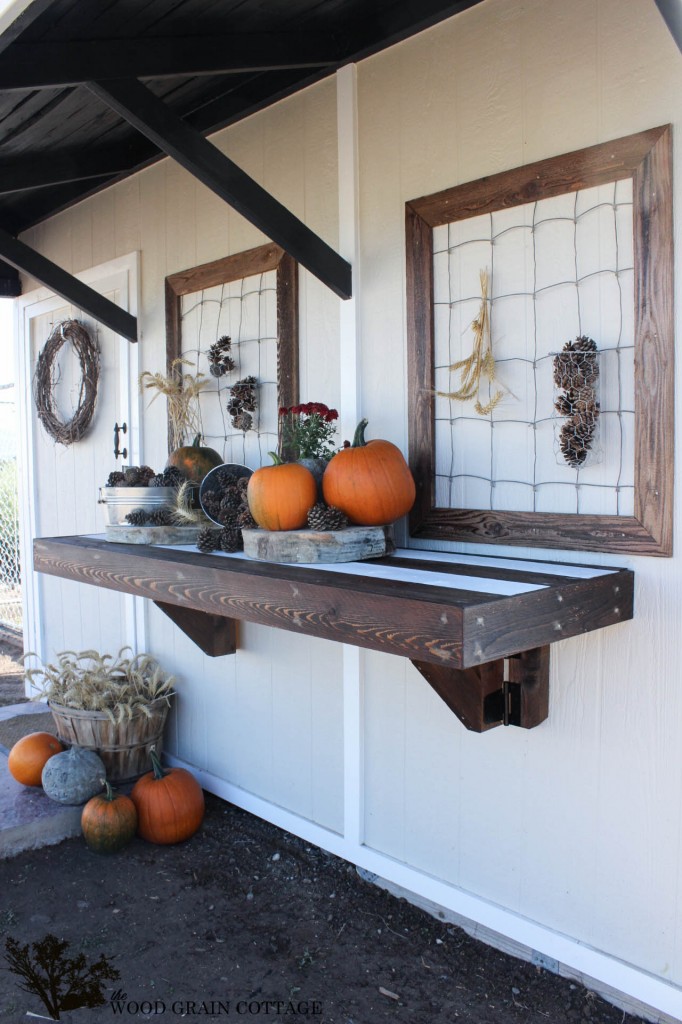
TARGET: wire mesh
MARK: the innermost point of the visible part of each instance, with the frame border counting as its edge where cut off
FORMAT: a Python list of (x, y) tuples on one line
[(11, 618), (559, 269), (238, 410)]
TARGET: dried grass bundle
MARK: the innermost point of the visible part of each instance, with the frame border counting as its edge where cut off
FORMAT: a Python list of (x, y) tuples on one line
[(181, 391), (88, 681), (480, 363), (182, 511)]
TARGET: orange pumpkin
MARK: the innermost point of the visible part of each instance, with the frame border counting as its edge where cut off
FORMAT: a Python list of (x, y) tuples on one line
[(108, 821), (30, 754), (169, 804), (280, 496), (194, 460), (370, 481)]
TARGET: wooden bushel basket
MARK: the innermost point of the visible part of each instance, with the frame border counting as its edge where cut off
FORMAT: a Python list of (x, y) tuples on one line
[(123, 746)]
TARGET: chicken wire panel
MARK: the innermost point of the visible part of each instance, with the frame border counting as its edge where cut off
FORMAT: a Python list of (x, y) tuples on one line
[(244, 310), (558, 270), (11, 617)]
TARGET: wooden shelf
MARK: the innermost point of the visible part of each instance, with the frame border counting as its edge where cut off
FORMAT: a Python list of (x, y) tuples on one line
[(478, 628)]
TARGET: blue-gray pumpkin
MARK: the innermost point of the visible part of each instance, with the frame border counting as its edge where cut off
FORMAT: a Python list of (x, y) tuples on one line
[(75, 776)]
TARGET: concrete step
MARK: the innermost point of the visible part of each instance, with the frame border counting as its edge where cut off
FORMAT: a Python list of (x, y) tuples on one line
[(28, 818)]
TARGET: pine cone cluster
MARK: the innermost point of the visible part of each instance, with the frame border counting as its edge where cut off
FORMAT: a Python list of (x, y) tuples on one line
[(242, 403), (326, 517), (162, 516), (130, 476), (576, 373), (144, 476), (226, 504), (170, 477), (227, 501), (215, 539), (219, 359)]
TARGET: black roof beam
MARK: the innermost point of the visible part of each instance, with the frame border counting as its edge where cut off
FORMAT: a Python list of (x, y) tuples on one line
[(201, 158), (21, 256), (50, 65), (47, 170)]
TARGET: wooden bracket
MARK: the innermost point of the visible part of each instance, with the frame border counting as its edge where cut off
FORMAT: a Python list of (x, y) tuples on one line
[(508, 691), (216, 635)]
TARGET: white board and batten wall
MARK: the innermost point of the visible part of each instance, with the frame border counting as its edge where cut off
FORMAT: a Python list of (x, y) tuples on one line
[(565, 839)]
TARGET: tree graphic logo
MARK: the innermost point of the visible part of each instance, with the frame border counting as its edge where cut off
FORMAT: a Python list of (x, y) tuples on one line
[(60, 981)]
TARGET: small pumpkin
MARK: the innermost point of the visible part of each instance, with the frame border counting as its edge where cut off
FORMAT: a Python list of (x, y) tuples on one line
[(108, 821), (370, 481), (30, 754), (194, 460), (73, 776), (169, 804), (280, 496)]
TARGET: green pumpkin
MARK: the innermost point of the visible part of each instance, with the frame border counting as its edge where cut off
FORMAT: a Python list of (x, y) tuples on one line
[(74, 777), (194, 460)]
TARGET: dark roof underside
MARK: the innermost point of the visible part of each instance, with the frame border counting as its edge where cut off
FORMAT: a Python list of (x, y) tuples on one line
[(212, 62)]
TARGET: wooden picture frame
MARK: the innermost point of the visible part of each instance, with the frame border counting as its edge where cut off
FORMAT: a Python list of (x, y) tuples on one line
[(646, 158), (234, 268)]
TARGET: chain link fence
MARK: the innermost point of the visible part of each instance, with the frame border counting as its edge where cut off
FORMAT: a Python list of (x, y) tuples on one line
[(11, 618)]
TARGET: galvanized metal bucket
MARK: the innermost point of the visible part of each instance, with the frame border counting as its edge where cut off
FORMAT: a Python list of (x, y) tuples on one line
[(119, 501)]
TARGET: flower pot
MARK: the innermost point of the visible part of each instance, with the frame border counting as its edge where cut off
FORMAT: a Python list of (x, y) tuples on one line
[(123, 746), (317, 468)]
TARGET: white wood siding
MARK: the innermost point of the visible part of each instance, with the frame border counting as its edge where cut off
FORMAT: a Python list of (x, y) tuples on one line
[(567, 837)]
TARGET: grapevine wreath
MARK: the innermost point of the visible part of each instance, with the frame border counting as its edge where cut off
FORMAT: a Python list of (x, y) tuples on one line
[(45, 380)]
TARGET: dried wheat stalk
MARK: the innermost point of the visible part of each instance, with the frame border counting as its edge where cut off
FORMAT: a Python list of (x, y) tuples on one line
[(480, 363), (90, 681), (181, 391)]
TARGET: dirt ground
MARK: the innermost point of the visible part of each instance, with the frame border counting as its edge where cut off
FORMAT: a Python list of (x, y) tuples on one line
[(246, 921)]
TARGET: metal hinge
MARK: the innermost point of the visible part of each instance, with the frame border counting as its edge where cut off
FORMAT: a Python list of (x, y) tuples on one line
[(504, 705)]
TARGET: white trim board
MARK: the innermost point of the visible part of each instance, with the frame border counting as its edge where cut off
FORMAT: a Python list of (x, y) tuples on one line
[(123, 273), (616, 980)]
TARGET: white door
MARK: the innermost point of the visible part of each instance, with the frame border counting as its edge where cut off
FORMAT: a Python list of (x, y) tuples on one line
[(59, 484)]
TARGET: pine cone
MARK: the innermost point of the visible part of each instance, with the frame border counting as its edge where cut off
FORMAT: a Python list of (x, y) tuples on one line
[(144, 474), (161, 516), (326, 517), (208, 539), (231, 498), (245, 520), (131, 476), (242, 421), (231, 539), (220, 361), (224, 477), (116, 479), (138, 517)]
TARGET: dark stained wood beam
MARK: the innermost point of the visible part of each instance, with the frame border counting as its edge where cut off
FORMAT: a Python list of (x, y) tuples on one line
[(191, 150), (23, 21), (10, 285), (45, 65), (215, 635), (21, 256), (671, 11), (25, 173)]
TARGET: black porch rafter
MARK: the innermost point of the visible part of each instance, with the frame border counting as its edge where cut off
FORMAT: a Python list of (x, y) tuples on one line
[(46, 65), (201, 158), (21, 256)]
